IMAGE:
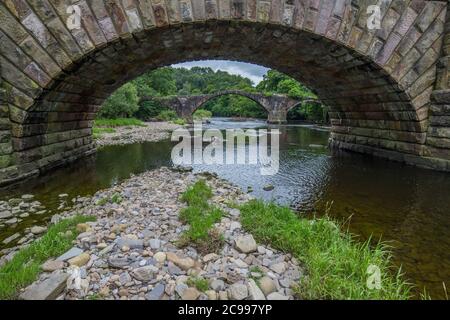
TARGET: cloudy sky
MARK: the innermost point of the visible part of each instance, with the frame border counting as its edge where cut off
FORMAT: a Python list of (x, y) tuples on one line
[(248, 70)]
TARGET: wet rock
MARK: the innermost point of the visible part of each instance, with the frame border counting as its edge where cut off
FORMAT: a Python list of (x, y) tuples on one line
[(130, 243), (268, 187), (11, 238), (27, 197), (36, 230), (5, 214)]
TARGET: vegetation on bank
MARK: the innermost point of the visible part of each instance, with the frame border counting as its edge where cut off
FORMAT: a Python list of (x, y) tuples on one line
[(118, 122), (25, 266), (163, 82), (202, 115), (102, 126), (201, 216), (336, 264)]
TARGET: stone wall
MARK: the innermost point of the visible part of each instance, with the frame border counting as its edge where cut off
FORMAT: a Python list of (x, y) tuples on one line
[(277, 106), (377, 83)]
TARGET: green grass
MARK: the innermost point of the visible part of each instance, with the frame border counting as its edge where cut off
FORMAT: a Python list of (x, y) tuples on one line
[(200, 284), (336, 263), (97, 132), (25, 267), (201, 216), (119, 122), (179, 121)]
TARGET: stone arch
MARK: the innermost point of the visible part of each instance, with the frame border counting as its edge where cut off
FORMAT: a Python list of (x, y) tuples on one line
[(254, 97), (377, 82)]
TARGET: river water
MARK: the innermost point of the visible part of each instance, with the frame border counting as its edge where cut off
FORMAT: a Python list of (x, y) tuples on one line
[(406, 206)]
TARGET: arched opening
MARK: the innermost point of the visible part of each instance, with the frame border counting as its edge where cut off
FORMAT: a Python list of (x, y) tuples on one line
[(233, 106), (378, 98)]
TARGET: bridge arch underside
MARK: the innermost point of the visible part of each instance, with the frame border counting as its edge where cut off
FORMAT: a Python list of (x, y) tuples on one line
[(376, 84)]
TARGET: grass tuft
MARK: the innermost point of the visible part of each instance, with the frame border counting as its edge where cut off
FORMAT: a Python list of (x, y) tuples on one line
[(25, 266), (336, 264), (119, 122), (201, 217), (200, 284)]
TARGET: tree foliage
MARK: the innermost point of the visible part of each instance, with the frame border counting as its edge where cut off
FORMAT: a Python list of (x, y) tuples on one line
[(170, 81)]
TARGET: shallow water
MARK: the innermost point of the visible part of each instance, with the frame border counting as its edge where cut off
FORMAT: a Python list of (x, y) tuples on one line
[(407, 206)]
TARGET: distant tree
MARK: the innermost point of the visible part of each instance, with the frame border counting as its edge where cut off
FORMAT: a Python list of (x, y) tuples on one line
[(123, 103)]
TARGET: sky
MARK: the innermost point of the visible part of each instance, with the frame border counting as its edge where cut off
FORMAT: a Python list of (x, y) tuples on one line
[(252, 71)]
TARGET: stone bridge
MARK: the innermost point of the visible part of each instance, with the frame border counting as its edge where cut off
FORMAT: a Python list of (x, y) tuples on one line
[(277, 106), (388, 88)]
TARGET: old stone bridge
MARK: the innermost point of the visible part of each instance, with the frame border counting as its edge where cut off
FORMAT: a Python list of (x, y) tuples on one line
[(387, 87), (277, 106)]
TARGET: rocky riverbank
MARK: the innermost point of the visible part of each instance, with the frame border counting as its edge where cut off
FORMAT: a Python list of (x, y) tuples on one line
[(132, 251), (149, 131)]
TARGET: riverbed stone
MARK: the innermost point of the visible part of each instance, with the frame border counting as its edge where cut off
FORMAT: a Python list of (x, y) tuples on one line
[(73, 252), (156, 293), (144, 274), (254, 291), (246, 244), (49, 289), (267, 285), (38, 230), (79, 260), (238, 291), (190, 294), (52, 265)]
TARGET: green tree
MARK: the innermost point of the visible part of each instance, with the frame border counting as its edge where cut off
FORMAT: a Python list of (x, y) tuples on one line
[(123, 103)]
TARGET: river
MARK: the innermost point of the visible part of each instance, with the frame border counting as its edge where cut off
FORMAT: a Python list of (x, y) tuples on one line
[(406, 206)]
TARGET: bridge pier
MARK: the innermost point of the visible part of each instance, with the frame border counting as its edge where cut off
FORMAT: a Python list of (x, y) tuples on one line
[(277, 116)]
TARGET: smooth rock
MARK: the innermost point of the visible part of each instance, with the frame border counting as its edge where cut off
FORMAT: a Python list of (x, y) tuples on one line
[(246, 244), (157, 292), (190, 294), (160, 257), (254, 291), (238, 291), (38, 230), (183, 263), (267, 285), (212, 295), (48, 289), (70, 254), (278, 267), (80, 260), (6, 214), (217, 285), (11, 238), (52, 265), (130, 243), (155, 243)]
